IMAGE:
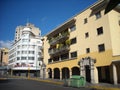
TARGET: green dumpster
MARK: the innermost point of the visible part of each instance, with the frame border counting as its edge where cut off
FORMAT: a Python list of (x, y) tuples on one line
[(77, 81)]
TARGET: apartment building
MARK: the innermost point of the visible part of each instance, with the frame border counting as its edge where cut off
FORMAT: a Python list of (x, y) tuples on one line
[(3, 61), (25, 56), (88, 44), (4, 56)]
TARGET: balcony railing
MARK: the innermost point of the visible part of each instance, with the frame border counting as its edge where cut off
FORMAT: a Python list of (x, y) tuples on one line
[(59, 50), (58, 38)]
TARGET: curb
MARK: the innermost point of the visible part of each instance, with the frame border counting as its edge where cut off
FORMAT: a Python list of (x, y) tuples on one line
[(61, 83), (3, 78), (103, 88), (41, 80)]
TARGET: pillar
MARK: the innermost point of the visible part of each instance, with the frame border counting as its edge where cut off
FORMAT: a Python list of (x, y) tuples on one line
[(115, 78), (52, 74), (44, 73), (92, 71), (92, 75), (60, 74), (41, 73), (96, 75), (47, 74), (82, 69), (70, 73)]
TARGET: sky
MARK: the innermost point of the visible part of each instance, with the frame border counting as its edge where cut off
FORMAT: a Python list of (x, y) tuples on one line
[(44, 14)]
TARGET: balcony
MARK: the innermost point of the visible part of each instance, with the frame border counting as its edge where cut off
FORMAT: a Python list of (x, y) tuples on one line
[(61, 37), (59, 50)]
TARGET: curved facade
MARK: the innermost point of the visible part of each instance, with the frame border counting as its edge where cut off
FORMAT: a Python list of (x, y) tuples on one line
[(26, 53)]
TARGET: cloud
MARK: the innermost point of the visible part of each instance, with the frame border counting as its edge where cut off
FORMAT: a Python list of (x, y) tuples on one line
[(5, 44)]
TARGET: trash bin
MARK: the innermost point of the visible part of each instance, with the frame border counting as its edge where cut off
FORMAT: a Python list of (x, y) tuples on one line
[(77, 81)]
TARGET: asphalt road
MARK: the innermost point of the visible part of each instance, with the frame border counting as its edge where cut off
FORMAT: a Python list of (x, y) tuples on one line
[(24, 84)]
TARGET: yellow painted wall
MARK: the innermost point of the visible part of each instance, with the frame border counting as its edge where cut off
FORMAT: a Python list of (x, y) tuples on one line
[(114, 18), (110, 37), (102, 59)]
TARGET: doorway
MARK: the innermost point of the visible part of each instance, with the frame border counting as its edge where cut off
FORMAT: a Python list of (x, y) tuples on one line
[(87, 73)]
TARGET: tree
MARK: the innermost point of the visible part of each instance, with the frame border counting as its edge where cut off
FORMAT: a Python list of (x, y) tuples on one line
[(111, 5)]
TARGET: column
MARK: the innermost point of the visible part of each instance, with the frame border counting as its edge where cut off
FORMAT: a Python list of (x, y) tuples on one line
[(60, 74), (92, 71), (70, 73), (115, 78), (82, 69), (52, 74), (92, 75), (47, 74), (44, 73), (95, 74), (41, 73)]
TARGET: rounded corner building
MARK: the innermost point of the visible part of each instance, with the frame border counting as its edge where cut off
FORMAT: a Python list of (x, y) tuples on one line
[(25, 55)]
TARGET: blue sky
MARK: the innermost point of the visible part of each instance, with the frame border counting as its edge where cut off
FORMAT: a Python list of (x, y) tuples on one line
[(44, 14)]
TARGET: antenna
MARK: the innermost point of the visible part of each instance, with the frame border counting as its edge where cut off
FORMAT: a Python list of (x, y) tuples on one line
[(27, 20)]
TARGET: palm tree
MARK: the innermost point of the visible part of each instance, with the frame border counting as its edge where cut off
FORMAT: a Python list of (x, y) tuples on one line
[(111, 5)]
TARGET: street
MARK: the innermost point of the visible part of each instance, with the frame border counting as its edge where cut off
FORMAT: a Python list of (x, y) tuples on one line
[(24, 84)]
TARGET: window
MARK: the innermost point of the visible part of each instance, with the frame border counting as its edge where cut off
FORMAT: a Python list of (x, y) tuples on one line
[(31, 52), (85, 20), (24, 40), (99, 30), (64, 56), (87, 50), (18, 52), (30, 58), (86, 35), (39, 53), (24, 46), (39, 47), (72, 28), (98, 15), (101, 47), (74, 54), (18, 58), (24, 52), (18, 47), (38, 42), (56, 58), (49, 60), (73, 41), (23, 58)]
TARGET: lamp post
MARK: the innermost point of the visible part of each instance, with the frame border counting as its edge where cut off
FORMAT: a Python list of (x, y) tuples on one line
[(28, 71)]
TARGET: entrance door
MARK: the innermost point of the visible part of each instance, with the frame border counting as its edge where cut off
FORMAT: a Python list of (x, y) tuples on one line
[(87, 72)]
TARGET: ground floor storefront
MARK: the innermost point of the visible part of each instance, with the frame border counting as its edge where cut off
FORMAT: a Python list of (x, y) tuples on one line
[(26, 73)]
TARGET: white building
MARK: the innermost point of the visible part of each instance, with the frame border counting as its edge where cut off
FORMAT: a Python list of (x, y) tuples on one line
[(25, 56)]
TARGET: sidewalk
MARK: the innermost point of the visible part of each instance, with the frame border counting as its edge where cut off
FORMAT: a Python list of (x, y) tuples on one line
[(103, 86), (100, 86)]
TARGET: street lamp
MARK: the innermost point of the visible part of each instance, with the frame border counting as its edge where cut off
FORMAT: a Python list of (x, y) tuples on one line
[(28, 71)]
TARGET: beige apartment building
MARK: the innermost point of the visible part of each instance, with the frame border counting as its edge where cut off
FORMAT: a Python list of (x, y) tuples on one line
[(4, 56), (88, 44)]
